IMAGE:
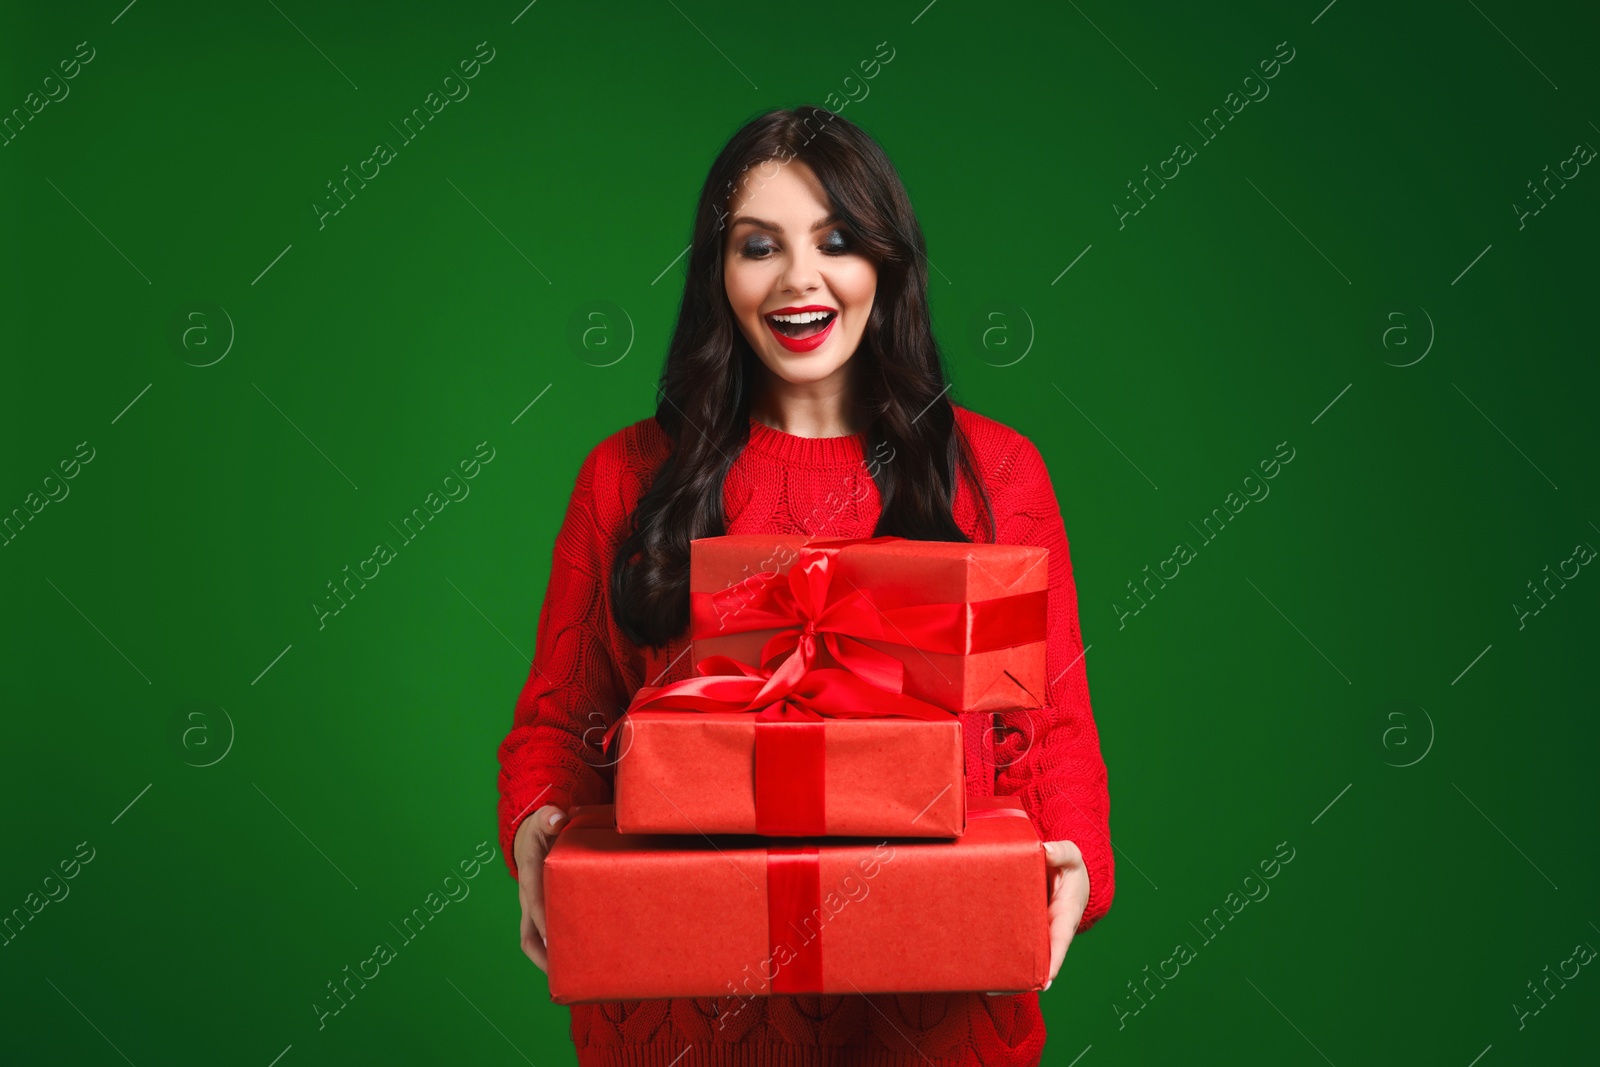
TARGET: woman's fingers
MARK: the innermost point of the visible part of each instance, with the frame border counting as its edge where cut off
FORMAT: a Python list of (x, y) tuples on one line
[(532, 843), (1063, 924), (531, 892), (533, 943), (549, 821), (1069, 893), (1062, 854)]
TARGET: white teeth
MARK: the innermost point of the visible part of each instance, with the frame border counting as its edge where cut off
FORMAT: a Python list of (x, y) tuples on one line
[(801, 317)]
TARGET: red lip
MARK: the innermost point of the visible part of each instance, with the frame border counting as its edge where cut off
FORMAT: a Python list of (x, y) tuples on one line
[(802, 344)]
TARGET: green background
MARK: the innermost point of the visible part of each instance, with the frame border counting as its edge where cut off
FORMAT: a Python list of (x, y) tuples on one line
[(1342, 669)]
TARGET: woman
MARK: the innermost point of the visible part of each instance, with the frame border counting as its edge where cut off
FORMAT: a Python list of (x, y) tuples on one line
[(803, 393)]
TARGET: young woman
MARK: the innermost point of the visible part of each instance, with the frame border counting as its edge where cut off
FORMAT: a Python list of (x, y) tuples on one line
[(803, 393)]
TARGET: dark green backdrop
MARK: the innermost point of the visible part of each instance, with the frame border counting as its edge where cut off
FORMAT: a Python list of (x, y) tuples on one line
[(1342, 270)]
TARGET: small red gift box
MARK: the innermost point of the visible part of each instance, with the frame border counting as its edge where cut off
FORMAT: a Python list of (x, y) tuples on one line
[(737, 773), (961, 625), (649, 916)]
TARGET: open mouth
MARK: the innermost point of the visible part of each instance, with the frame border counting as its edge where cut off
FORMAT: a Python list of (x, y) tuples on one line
[(802, 324)]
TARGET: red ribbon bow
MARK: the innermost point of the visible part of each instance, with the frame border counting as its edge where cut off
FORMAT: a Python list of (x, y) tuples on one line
[(804, 606), (810, 612)]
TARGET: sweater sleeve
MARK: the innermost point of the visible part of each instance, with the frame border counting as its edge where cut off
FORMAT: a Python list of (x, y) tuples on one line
[(576, 683), (1050, 756)]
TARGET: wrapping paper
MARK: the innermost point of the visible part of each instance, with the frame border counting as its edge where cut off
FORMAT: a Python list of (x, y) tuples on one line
[(652, 916), (720, 772), (956, 624)]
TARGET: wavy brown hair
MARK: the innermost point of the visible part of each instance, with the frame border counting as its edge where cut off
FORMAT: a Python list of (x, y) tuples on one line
[(704, 393)]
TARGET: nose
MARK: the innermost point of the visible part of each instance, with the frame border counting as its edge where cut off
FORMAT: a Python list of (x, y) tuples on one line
[(801, 273)]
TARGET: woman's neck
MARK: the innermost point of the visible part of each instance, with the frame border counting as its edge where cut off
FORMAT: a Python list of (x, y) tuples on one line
[(807, 410)]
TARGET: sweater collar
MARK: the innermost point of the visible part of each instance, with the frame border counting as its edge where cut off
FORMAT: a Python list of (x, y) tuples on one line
[(792, 450)]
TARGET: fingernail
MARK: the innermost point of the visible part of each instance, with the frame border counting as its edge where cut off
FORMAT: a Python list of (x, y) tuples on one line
[(555, 818)]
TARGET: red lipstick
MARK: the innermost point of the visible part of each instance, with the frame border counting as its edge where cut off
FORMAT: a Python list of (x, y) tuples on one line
[(801, 344)]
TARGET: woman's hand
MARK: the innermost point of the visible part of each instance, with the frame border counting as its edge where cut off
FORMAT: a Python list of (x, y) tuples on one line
[(1069, 895), (528, 849)]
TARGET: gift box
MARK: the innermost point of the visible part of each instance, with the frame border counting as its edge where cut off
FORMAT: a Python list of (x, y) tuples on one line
[(630, 916), (734, 773), (958, 624)]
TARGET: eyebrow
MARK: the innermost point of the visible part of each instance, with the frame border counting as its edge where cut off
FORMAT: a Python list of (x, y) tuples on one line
[(775, 228)]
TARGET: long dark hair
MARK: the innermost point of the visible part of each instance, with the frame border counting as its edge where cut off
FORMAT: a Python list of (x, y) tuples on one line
[(704, 392)]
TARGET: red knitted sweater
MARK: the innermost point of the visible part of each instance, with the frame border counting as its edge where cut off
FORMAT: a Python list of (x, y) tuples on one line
[(585, 671)]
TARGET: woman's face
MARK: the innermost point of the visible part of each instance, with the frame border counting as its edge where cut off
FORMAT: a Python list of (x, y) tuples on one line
[(787, 257)]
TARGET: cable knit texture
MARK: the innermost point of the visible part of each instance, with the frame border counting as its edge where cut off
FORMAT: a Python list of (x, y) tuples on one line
[(585, 671)]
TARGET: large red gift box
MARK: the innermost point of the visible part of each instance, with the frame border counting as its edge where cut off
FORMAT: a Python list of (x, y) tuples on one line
[(730, 773), (965, 621), (652, 916)]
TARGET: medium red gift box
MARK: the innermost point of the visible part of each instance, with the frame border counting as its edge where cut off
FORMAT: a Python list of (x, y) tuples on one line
[(732, 773), (961, 625), (650, 916)]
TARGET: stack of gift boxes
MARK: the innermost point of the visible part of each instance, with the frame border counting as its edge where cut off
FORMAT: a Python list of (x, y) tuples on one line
[(793, 818)]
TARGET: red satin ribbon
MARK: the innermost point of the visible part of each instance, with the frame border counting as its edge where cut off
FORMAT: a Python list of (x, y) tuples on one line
[(791, 776), (794, 896), (725, 684)]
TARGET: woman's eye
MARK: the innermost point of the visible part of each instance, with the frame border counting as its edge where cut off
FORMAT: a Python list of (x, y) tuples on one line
[(837, 244)]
